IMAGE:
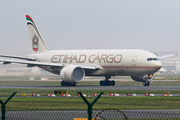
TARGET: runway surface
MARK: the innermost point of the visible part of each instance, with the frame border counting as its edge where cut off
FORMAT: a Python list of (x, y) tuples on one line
[(94, 87), (109, 114)]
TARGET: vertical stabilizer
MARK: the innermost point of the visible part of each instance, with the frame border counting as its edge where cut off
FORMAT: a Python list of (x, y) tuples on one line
[(37, 44)]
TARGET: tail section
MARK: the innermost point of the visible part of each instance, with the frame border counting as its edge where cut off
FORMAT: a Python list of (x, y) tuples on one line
[(37, 44)]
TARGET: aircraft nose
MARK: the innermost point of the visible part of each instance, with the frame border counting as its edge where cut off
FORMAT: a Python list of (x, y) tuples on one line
[(158, 64)]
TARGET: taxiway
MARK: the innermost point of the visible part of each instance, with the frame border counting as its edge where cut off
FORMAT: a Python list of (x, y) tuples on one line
[(90, 87)]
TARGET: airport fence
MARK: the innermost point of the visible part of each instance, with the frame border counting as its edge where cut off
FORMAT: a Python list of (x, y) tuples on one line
[(108, 114), (106, 108)]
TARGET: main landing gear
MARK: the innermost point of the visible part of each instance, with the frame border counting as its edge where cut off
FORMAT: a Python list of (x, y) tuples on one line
[(146, 83), (107, 82), (67, 84)]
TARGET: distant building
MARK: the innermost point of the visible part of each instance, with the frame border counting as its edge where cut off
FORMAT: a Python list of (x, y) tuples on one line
[(163, 53), (20, 70)]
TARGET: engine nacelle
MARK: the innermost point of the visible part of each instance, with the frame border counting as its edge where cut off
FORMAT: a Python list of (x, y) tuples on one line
[(72, 74), (146, 77)]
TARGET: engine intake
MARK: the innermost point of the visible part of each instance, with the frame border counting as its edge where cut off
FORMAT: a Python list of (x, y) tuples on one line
[(72, 74)]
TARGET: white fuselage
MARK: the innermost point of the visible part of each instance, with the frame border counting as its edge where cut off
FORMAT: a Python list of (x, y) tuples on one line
[(121, 62)]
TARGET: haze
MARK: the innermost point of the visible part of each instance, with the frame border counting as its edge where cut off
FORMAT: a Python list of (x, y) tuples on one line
[(76, 24)]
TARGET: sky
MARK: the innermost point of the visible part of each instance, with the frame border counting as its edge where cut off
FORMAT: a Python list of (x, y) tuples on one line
[(152, 25)]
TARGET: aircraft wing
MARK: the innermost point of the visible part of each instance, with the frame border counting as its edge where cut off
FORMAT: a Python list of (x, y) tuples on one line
[(18, 57), (166, 56), (35, 63)]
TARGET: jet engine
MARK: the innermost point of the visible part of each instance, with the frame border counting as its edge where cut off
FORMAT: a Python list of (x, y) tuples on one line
[(72, 74), (145, 79)]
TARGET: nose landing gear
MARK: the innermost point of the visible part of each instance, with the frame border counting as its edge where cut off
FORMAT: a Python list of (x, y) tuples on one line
[(107, 82), (147, 79), (146, 83)]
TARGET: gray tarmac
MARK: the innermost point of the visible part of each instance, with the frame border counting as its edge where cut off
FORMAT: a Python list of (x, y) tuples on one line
[(90, 87), (102, 114)]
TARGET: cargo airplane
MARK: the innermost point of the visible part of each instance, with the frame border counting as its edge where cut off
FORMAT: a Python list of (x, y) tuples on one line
[(73, 65)]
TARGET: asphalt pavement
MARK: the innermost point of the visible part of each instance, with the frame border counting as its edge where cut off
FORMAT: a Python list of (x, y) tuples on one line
[(90, 87)]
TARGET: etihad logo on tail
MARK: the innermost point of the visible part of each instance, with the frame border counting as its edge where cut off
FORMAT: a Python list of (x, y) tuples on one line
[(35, 43)]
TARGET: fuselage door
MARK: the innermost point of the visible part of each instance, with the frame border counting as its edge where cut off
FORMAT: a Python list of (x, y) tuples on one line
[(134, 60)]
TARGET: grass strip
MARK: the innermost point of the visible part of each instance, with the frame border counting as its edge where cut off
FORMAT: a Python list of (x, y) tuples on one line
[(64, 103), (43, 92)]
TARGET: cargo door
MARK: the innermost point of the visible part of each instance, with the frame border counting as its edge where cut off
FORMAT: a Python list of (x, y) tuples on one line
[(134, 60)]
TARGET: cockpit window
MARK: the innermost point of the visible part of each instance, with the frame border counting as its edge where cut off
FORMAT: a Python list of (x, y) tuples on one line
[(153, 59)]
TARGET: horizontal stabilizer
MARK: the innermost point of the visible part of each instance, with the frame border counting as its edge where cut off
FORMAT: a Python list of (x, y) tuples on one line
[(35, 63), (18, 57), (5, 63)]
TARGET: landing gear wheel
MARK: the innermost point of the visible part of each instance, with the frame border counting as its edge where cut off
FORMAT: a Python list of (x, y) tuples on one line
[(62, 83), (146, 83), (113, 83), (107, 83), (101, 83), (67, 84)]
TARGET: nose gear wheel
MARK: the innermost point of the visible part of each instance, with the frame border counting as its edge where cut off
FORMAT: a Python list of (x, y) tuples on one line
[(146, 83)]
